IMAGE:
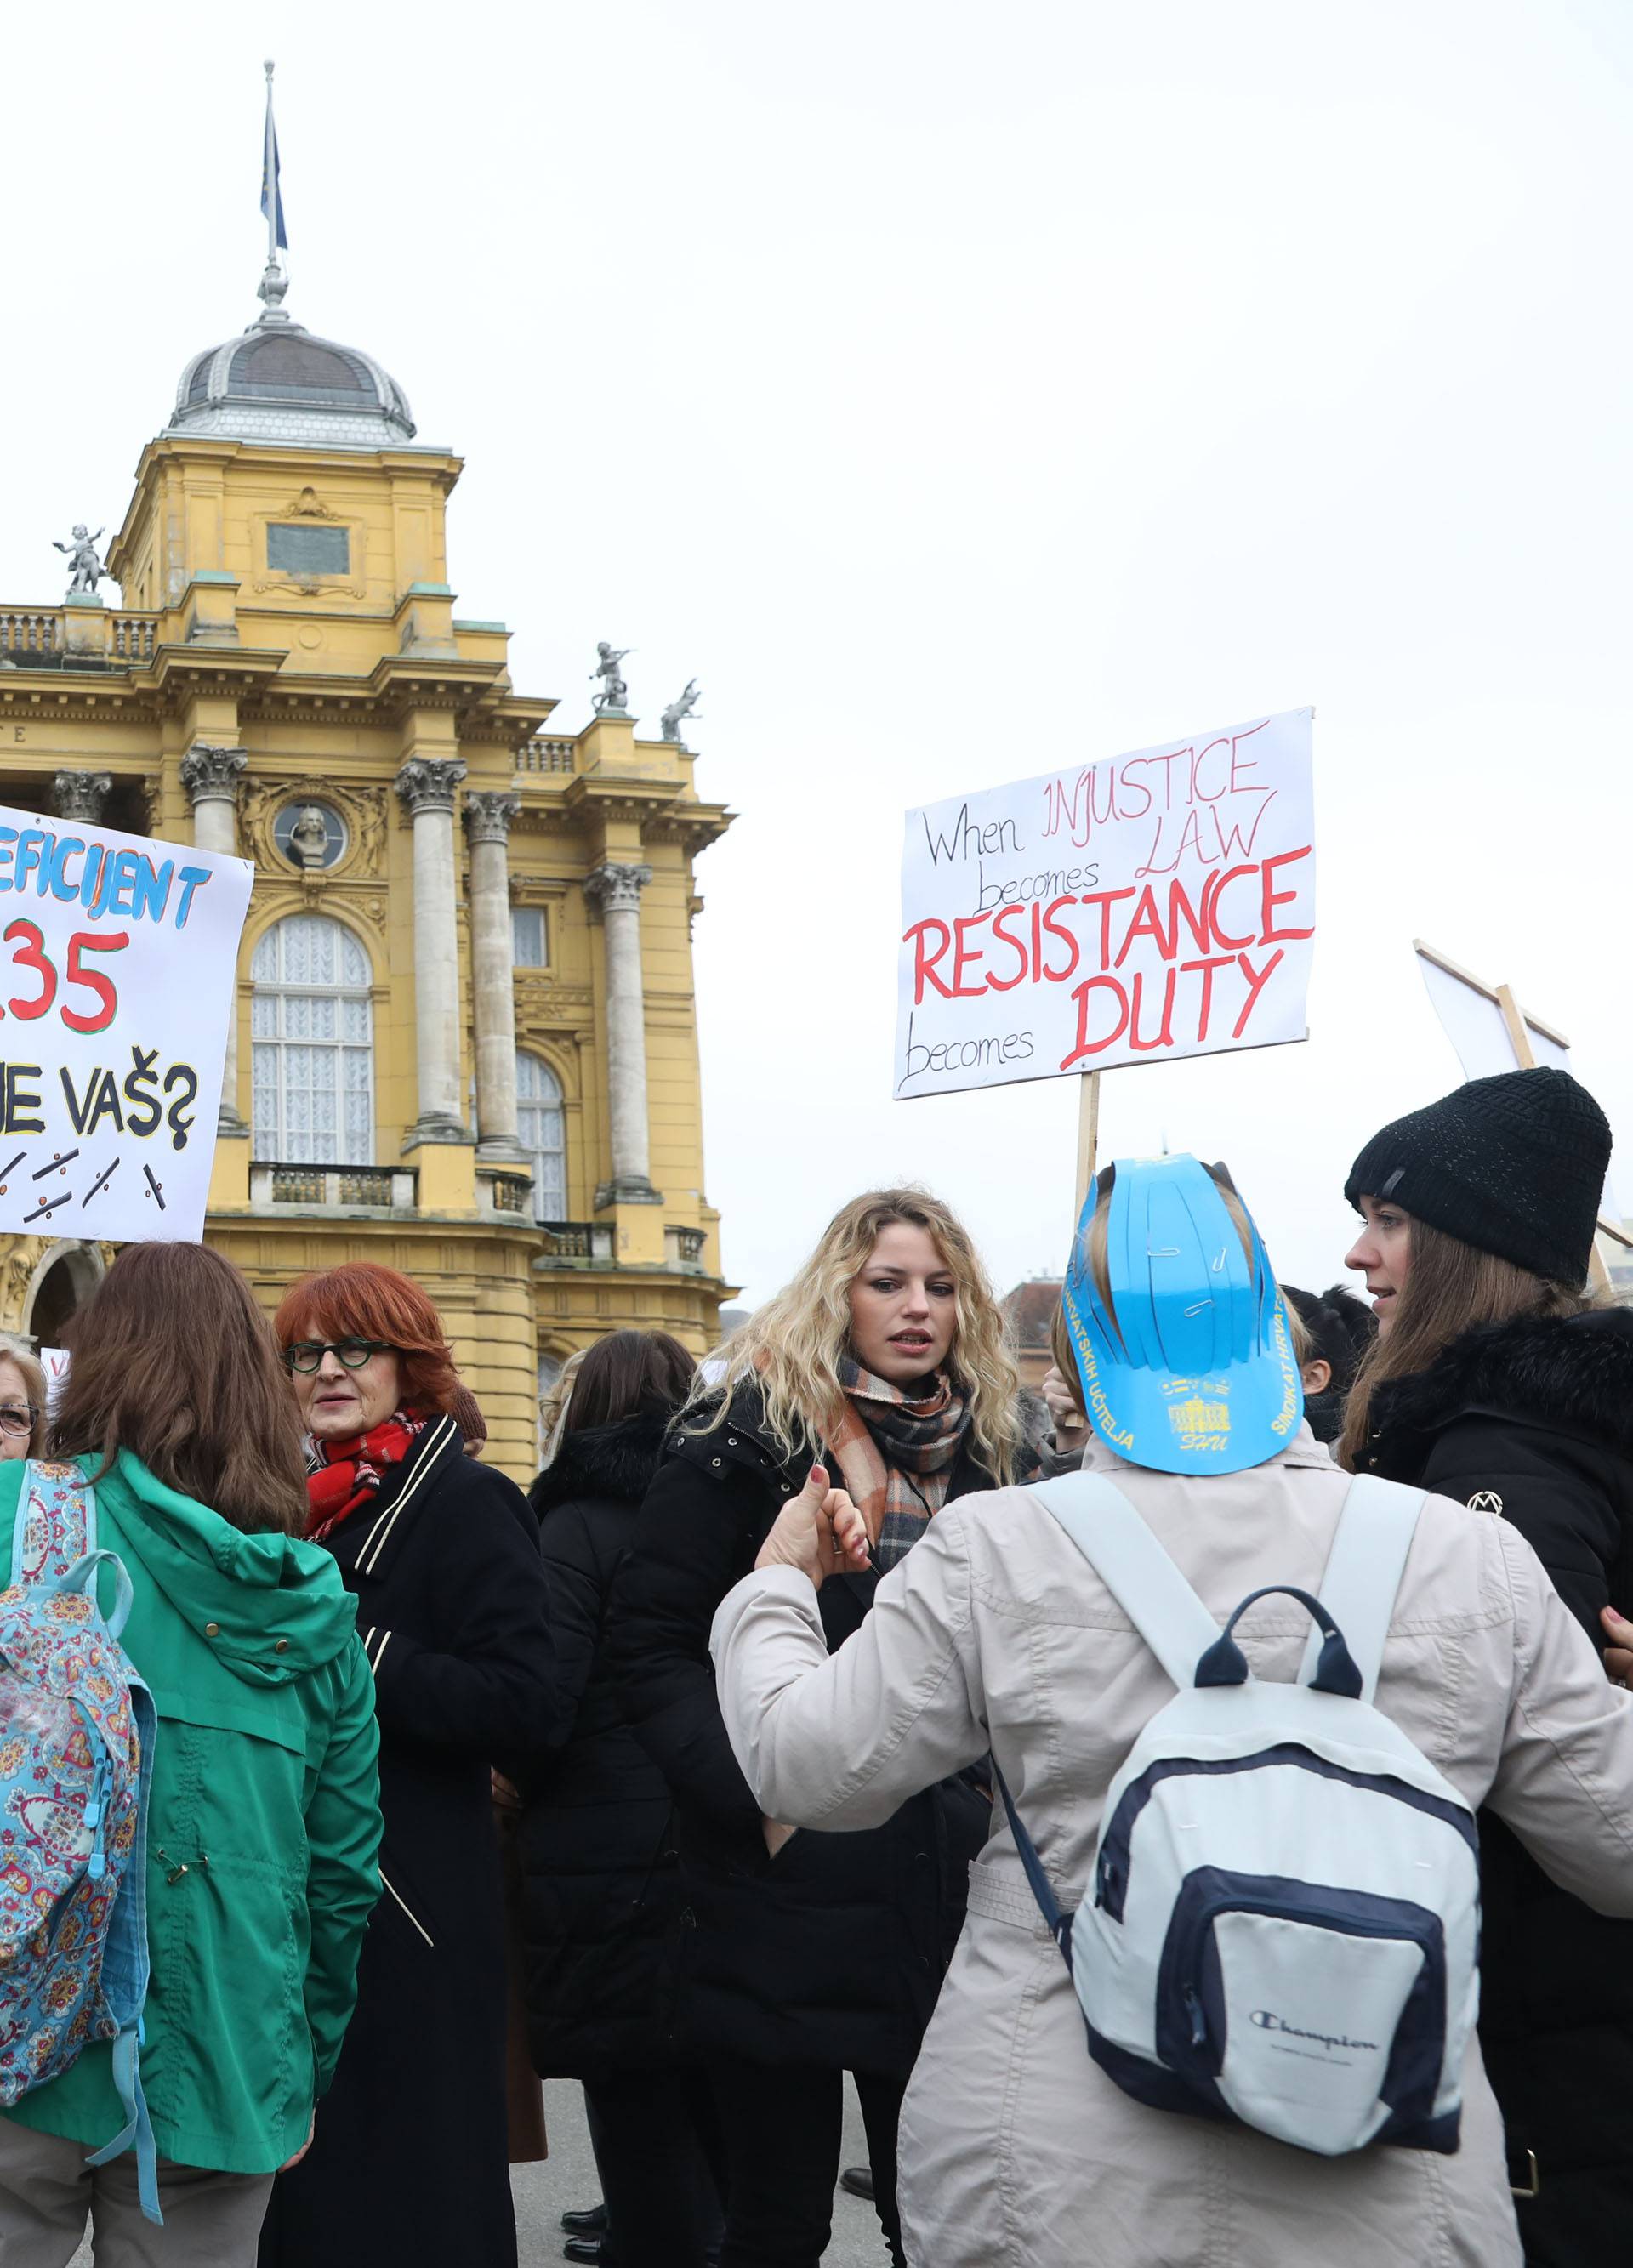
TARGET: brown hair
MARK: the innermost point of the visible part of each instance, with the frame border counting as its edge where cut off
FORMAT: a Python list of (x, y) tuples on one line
[(364, 1301), (34, 1393), (629, 1374), (173, 1361), (1450, 1286)]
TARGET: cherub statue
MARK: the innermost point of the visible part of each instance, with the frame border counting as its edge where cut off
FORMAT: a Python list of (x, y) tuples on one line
[(677, 711), (614, 692), (88, 568)]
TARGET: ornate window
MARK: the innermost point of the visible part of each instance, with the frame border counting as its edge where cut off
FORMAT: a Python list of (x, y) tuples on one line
[(312, 1024), (543, 1132)]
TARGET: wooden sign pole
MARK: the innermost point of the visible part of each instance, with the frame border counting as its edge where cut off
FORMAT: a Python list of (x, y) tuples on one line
[(1520, 1023), (1088, 1138)]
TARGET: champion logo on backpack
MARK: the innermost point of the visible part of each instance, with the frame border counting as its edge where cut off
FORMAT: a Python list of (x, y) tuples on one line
[(1268, 1846), (1268, 2021)]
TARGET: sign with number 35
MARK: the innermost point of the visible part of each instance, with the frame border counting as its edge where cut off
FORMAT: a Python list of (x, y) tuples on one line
[(118, 959)]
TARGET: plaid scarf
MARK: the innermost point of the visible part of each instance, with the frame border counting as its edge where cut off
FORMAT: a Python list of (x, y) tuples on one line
[(895, 1455), (341, 1476)]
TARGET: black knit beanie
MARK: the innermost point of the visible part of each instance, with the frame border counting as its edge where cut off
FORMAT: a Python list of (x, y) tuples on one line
[(1513, 1164)]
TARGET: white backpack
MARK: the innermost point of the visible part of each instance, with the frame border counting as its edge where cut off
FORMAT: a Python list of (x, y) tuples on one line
[(1285, 1926)]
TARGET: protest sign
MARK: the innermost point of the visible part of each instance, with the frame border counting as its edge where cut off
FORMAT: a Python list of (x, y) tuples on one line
[(1154, 905), (1492, 1034), (118, 959)]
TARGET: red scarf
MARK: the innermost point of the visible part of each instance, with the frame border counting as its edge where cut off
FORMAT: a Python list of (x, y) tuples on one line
[(340, 1476)]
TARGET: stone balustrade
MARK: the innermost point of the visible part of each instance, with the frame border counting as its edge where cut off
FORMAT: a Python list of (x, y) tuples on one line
[(536, 756), (39, 637), (393, 1188)]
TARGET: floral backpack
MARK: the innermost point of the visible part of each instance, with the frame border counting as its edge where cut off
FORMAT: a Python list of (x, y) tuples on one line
[(77, 1732)]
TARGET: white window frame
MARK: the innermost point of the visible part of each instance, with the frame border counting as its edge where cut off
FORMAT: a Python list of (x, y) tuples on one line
[(541, 915), (545, 1207), (275, 1143)]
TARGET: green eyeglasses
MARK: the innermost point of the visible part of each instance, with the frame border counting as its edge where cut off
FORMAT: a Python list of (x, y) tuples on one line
[(307, 1354)]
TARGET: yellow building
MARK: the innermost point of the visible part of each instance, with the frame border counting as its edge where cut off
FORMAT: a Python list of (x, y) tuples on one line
[(465, 1039)]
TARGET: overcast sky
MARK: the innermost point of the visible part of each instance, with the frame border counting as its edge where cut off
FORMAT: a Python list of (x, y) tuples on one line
[(955, 390)]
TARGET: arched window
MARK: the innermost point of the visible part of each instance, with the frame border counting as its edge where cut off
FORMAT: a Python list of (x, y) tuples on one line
[(312, 1025), (543, 1132)]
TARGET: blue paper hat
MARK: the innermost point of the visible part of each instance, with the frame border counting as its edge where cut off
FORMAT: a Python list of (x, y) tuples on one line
[(1195, 1373)]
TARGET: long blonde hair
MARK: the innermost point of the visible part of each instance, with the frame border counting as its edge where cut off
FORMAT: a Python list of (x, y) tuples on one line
[(791, 1347), (1450, 1286)]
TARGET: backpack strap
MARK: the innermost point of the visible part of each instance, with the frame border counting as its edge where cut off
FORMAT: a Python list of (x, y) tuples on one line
[(55, 1523), (1134, 1568), (1364, 1571)]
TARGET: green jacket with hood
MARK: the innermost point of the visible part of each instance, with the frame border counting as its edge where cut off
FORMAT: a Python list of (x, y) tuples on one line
[(263, 1830)]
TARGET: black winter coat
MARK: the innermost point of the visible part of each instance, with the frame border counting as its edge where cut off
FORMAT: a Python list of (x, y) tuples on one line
[(832, 1953), (1533, 1420), (601, 1865), (410, 2161)]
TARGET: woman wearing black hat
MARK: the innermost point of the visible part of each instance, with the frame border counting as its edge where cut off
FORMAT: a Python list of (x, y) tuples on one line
[(1496, 1379)]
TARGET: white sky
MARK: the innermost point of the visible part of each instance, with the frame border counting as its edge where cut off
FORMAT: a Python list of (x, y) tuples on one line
[(956, 391)]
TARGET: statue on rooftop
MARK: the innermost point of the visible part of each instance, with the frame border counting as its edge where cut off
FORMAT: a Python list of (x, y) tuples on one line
[(678, 710), (615, 692), (82, 551)]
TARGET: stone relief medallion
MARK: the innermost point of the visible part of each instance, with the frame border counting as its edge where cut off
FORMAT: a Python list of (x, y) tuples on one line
[(310, 835), (270, 809)]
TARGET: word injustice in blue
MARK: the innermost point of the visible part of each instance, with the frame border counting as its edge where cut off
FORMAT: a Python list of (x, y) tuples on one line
[(105, 882)]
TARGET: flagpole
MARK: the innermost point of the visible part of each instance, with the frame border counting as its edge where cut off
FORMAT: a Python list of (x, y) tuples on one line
[(270, 178)]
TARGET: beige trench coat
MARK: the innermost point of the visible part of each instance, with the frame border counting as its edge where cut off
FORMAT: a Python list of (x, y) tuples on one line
[(1015, 2148)]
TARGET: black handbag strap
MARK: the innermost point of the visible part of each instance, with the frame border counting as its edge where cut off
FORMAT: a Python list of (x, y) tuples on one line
[(1060, 1923)]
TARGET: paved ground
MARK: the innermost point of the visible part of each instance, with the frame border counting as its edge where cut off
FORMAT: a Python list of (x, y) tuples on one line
[(566, 2181)]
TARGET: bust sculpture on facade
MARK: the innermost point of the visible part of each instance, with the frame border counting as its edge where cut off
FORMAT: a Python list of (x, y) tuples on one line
[(678, 710), (614, 693), (309, 838), (82, 552)]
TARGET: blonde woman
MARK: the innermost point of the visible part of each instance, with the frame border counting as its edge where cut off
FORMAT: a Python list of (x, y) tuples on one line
[(807, 1956), (22, 1406)]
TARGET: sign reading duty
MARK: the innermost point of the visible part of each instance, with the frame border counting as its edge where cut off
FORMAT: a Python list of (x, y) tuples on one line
[(1158, 904), (118, 961)]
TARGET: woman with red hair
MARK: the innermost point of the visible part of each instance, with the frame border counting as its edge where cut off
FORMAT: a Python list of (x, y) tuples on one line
[(442, 1555)]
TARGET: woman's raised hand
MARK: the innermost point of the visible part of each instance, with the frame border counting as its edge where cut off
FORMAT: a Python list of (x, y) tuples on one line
[(819, 1531)]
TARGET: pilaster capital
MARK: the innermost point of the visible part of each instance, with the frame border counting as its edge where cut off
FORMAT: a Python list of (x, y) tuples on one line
[(213, 774), (80, 795), (427, 783), (488, 816), (616, 889)]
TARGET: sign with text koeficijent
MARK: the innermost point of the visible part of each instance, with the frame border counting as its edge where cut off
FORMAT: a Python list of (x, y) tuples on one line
[(118, 957)]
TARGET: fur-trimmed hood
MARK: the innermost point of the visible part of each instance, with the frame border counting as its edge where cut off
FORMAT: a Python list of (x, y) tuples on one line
[(1564, 1374), (617, 1461)]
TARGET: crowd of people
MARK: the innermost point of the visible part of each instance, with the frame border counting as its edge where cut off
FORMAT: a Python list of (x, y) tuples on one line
[(682, 1769)]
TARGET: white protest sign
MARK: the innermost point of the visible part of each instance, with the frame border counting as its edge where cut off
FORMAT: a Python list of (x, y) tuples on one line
[(118, 959), (1154, 905)]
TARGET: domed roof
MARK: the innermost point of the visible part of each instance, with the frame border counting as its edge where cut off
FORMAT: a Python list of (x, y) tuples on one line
[(277, 381)]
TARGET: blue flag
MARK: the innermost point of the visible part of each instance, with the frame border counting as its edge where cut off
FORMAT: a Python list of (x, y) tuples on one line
[(271, 196)]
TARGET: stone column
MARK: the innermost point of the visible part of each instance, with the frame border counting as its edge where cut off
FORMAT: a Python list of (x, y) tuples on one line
[(487, 826), (426, 785), (616, 890), (211, 777), (80, 795)]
